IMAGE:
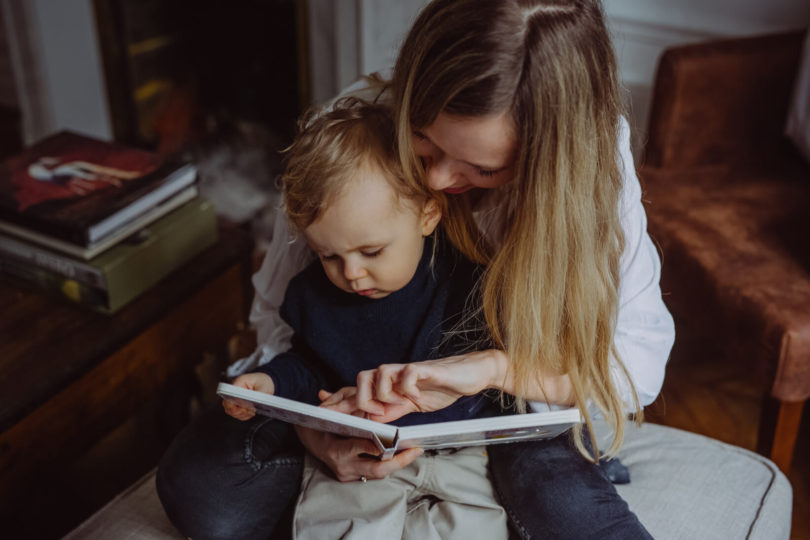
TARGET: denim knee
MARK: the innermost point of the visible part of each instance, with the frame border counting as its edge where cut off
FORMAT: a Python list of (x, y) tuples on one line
[(222, 478), (550, 491)]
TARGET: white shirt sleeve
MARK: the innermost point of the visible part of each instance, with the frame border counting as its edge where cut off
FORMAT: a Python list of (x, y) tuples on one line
[(645, 330), (286, 256)]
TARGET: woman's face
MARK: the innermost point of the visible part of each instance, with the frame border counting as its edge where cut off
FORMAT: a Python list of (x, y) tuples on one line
[(464, 152)]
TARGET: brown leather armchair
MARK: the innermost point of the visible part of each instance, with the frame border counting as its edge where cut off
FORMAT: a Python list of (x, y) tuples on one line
[(728, 200)]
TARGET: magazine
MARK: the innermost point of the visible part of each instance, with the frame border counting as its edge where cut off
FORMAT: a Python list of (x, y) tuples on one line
[(390, 439)]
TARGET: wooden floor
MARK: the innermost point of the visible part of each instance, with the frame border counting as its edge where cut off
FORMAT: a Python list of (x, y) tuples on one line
[(709, 394)]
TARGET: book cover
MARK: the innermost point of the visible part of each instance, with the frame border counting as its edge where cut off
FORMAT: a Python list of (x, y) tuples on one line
[(92, 250), (390, 439), (79, 189), (122, 273)]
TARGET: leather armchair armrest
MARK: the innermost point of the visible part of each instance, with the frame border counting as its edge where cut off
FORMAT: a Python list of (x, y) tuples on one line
[(722, 101)]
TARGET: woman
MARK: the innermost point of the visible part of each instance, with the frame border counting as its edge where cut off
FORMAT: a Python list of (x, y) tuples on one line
[(512, 109)]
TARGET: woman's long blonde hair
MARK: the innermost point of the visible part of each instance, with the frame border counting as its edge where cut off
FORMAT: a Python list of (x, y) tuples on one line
[(550, 293)]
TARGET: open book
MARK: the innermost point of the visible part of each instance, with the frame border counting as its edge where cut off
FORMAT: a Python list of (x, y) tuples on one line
[(390, 439)]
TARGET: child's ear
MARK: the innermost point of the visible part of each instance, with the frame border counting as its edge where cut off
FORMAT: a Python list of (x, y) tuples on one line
[(431, 214)]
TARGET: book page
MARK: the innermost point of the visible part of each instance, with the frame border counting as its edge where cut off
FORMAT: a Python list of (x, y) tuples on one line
[(492, 430), (304, 414)]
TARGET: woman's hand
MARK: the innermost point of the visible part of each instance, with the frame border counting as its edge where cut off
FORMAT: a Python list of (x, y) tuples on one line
[(345, 401), (392, 390), (260, 382), (352, 459)]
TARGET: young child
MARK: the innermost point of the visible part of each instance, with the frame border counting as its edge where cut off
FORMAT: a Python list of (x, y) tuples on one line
[(382, 291)]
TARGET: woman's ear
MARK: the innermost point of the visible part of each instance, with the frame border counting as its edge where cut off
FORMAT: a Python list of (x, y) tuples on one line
[(431, 214)]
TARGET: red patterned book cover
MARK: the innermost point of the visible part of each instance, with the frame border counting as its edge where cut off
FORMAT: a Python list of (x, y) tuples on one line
[(79, 189)]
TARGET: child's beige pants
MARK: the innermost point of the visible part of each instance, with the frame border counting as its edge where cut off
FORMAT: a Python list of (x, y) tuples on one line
[(441, 496)]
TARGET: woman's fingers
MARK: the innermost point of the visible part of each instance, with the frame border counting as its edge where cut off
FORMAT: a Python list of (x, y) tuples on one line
[(408, 383), (381, 469), (351, 459), (371, 467), (366, 399), (344, 401), (384, 381)]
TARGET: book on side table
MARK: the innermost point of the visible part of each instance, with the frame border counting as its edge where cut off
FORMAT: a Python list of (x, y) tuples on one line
[(125, 271), (81, 195), (391, 439)]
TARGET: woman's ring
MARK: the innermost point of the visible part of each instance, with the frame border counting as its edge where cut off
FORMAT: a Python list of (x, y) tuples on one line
[(363, 479)]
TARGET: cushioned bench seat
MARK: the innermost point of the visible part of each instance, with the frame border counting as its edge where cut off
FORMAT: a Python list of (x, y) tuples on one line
[(683, 486)]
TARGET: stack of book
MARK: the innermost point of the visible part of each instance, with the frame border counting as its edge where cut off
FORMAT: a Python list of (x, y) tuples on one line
[(96, 222)]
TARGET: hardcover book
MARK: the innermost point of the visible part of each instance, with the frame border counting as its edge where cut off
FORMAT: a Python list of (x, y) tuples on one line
[(390, 439), (125, 271), (80, 190)]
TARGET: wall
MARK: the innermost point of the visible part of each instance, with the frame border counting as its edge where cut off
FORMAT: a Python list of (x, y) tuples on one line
[(8, 94), (57, 68), (641, 30)]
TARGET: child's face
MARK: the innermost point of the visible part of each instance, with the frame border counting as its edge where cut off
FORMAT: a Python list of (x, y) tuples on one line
[(369, 240)]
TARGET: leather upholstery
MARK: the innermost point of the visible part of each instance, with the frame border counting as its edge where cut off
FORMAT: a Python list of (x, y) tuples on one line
[(728, 201), (722, 102)]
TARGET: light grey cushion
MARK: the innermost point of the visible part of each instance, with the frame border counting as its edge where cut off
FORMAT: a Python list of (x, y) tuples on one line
[(686, 486), (136, 513), (683, 486)]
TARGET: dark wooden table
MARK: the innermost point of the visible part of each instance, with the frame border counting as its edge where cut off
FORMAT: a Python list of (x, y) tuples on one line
[(69, 375)]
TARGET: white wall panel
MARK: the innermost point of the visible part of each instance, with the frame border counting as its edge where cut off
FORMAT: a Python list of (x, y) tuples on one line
[(641, 30)]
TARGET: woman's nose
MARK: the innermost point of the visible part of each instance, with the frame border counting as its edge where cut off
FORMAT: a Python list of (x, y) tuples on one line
[(439, 173)]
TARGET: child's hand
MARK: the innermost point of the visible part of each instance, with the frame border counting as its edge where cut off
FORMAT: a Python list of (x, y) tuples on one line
[(260, 382), (345, 401)]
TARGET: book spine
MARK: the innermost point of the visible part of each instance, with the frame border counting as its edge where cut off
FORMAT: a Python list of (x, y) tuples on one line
[(56, 284), (176, 238), (23, 253)]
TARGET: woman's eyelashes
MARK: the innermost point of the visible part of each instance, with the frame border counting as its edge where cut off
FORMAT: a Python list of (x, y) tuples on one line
[(487, 172)]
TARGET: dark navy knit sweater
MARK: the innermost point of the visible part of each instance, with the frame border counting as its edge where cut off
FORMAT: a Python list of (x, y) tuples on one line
[(338, 334)]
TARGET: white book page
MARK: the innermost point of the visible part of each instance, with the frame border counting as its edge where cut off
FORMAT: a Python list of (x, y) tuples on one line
[(492, 430), (304, 414)]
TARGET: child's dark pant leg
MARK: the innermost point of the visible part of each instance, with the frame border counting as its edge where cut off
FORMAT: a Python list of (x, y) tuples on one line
[(223, 478), (550, 491)]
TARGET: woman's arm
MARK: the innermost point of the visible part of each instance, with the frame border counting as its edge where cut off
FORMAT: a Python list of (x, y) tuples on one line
[(283, 260), (391, 390)]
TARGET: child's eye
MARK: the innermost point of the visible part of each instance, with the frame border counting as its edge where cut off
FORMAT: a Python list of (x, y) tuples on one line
[(419, 135), (372, 254), (329, 257), (487, 172)]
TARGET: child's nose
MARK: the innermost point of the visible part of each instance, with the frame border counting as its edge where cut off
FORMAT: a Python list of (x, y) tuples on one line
[(353, 270)]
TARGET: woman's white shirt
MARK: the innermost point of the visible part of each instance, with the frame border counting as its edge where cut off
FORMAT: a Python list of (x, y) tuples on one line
[(644, 331)]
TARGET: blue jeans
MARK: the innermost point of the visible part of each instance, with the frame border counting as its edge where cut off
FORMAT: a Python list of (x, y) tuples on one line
[(550, 491), (226, 479), (223, 478)]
